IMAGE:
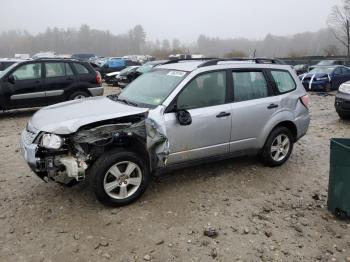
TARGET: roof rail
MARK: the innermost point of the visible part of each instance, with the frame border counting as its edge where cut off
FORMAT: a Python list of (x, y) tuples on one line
[(257, 60), (173, 61), (55, 58)]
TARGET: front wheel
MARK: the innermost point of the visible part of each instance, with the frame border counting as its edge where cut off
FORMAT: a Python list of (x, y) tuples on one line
[(119, 178), (278, 147)]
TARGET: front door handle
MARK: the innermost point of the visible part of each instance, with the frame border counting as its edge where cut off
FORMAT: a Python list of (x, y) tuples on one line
[(223, 114), (271, 106)]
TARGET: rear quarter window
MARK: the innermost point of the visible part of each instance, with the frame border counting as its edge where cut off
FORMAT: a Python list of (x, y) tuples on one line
[(81, 69), (283, 80)]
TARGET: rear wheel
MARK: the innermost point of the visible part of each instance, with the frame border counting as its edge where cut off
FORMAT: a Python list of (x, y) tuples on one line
[(119, 178), (278, 147), (78, 95)]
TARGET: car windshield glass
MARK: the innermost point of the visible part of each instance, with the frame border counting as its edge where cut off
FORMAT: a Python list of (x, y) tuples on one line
[(152, 88), (2, 73), (145, 68), (126, 70), (327, 62), (320, 70)]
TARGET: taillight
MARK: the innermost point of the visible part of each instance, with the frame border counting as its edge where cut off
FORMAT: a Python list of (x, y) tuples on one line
[(98, 78), (305, 100)]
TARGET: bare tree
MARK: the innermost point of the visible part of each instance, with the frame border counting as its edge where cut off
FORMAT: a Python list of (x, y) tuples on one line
[(339, 23)]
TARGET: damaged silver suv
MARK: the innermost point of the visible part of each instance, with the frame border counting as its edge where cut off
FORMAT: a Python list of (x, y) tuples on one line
[(181, 113)]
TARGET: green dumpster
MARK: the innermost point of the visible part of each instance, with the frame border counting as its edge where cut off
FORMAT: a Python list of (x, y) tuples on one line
[(339, 177)]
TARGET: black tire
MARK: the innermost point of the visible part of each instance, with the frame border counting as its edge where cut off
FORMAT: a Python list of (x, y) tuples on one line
[(99, 175), (78, 94), (267, 155), (328, 88)]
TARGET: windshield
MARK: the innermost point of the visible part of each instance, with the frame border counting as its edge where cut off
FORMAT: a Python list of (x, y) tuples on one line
[(130, 68), (152, 88), (322, 70), (2, 73), (145, 68), (327, 62)]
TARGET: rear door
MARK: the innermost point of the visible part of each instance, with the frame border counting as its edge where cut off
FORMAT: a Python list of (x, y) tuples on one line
[(27, 87), (59, 77), (253, 106), (84, 74)]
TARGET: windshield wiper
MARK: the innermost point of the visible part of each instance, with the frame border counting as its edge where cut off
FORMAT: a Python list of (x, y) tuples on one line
[(116, 98), (127, 102)]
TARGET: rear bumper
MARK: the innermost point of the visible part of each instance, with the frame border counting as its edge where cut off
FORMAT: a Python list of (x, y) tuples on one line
[(302, 123), (96, 91), (342, 103)]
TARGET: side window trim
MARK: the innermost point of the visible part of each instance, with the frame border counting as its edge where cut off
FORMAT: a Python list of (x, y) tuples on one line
[(170, 108), (269, 84), (65, 74), (42, 68)]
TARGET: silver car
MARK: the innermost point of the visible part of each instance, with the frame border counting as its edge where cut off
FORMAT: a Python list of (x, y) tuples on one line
[(181, 113)]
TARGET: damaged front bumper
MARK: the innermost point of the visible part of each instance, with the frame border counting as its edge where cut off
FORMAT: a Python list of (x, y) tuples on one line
[(60, 168), (144, 133)]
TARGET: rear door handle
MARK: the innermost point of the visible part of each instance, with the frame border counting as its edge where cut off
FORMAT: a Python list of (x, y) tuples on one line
[(223, 114), (271, 106)]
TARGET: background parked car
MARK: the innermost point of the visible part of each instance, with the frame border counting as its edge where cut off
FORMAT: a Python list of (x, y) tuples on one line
[(115, 65), (83, 57), (331, 62), (126, 76), (7, 62), (325, 78), (342, 101), (147, 67), (301, 69), (42, 82)]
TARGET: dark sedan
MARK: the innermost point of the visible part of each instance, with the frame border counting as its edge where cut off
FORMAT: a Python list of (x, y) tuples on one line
[(131, 76), (342, 101), (325, 78)]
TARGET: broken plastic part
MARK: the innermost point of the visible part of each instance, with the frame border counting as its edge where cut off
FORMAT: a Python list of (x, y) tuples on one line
[(72, 168)]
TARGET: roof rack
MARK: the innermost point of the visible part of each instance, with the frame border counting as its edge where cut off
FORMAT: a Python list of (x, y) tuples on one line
[(173, 61), (257, 60), (55, 58)]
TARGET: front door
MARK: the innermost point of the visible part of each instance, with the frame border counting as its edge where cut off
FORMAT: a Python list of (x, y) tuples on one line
[(209, 133), (26, 88)]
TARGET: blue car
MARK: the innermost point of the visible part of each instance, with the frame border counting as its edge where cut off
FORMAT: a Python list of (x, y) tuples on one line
[(325, 78)]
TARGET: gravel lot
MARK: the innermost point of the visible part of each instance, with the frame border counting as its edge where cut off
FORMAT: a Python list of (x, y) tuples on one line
[(233, 210)]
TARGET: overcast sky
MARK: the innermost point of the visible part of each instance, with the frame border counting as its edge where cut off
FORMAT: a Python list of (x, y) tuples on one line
[(183, 19)]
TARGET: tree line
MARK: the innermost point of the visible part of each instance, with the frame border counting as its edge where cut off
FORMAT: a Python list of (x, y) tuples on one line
[(135, 41)]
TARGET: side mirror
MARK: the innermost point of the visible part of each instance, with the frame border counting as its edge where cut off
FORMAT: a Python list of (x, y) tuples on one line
[(11, 79), (184, 117)]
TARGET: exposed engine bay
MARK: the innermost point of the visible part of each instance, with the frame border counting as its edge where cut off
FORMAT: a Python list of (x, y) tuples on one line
[(79, 150)]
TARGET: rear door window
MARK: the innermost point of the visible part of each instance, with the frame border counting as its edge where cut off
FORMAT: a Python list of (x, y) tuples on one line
[(81, 69), (55, 70), (283, 80), (249, 86), (69, 71)]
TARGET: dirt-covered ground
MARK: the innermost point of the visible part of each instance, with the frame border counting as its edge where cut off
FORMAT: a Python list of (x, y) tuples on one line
[(234, 210)]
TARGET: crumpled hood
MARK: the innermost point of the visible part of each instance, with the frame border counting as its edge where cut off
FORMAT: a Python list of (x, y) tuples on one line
[(68, 117)]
